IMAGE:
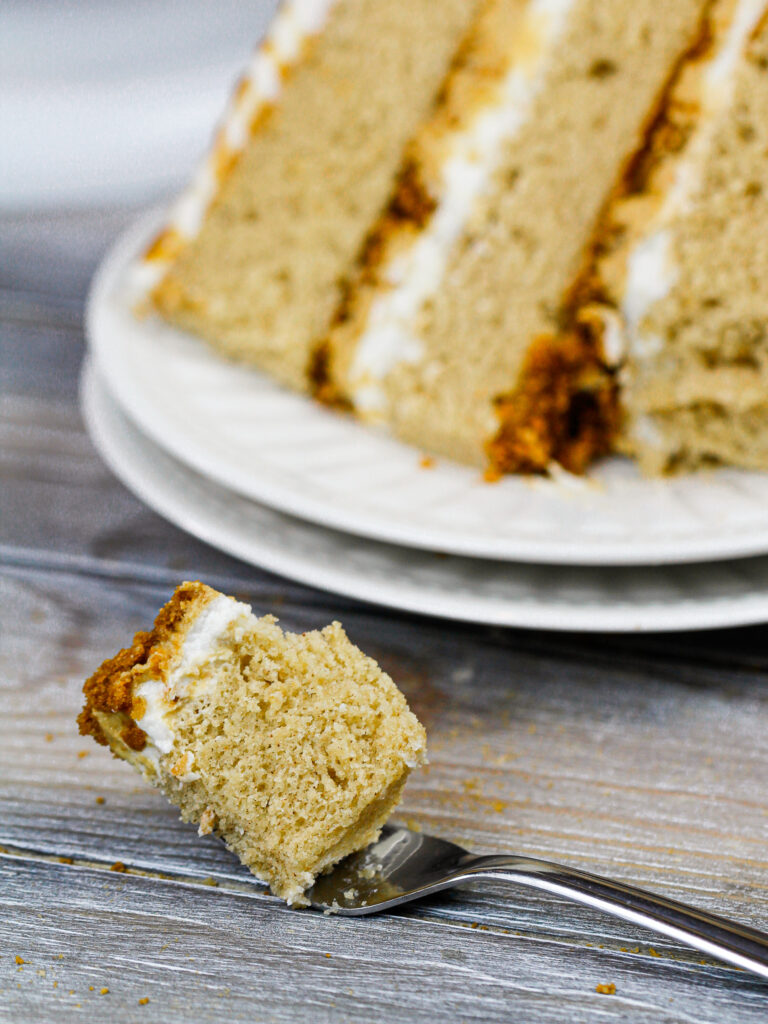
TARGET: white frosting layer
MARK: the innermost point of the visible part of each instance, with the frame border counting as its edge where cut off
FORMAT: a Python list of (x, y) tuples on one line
[(651, 273), (417, 273), (294, 22), (163, 697)]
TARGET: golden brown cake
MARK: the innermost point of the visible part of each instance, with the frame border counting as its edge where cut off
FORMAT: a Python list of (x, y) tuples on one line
[(256, 250), (449, 333), (293, 748), (679, 280)]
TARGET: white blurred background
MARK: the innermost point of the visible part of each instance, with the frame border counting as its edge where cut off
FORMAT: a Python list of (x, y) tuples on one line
[(108, 102)]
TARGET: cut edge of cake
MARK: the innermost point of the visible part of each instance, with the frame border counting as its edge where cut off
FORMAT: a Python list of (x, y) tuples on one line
[(298, 170), (553, 397), (259, 88), (662, 290)]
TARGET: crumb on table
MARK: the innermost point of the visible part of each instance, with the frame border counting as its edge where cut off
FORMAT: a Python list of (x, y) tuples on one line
[(606, 990)]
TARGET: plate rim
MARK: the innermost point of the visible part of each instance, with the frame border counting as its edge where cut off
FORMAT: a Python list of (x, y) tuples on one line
[(106, 317), (561, 616)]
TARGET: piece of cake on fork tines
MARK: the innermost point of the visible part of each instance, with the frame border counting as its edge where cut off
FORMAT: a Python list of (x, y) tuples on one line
[(293, 748)]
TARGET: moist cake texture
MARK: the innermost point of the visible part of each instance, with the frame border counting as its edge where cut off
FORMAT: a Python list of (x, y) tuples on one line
[(679, 282), (512, 232), (453, 326), (293, 748), (255, 255)]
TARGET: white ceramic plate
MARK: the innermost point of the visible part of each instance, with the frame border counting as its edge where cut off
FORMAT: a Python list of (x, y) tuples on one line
[(242, 430), (494, 592)]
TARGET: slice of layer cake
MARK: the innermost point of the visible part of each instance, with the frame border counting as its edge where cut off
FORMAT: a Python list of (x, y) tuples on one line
[(514, 232), (450, 333), (293, 748), (306, 158), (679, 280)]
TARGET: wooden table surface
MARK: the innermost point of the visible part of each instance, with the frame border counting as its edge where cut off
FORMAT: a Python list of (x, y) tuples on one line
[(643, 758)]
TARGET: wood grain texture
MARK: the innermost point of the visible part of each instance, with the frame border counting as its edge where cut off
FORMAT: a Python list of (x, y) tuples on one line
[(638, 757), (194, 949)]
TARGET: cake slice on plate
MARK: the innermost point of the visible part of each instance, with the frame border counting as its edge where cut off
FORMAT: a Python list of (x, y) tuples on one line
[(518, 233), (293, 748)]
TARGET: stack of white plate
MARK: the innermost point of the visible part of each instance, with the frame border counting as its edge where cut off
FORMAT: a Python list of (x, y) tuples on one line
[(284, 484)]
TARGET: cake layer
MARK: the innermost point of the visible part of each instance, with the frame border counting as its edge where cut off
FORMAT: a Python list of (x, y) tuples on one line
[(450, 334), (293, 748), (255, 254), (681, 280)]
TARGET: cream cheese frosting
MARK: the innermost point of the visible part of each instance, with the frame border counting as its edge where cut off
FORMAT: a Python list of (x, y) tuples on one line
[(162, 697), (412, 276)]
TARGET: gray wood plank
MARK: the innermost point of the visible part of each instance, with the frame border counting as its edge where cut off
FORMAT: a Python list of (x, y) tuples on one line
[(60, 505), (49, 256), (649, 779), (204, 954)]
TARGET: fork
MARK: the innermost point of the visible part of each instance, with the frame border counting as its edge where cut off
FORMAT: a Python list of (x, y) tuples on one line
[(404, 865)]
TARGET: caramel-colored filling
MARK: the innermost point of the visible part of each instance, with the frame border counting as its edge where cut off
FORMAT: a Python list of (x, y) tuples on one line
[(564, 409), (410, 204), (110, 688), (320, 379), (666, 133)]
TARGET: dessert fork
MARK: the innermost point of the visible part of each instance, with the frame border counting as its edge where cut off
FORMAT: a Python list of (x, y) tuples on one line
[(404, 865)]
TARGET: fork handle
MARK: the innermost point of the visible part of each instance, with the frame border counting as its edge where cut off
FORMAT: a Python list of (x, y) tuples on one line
[(725, 940)]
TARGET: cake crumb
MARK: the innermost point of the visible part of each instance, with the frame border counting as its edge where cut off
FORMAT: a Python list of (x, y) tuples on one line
[(606, 990), (48, 737), (327, 956), (427, 462), (118, 866), (144, 1001), (99, 799), (653, 952), (210, 881), (207, 821), (83, 753), (491, 475), (20, 960), (103, 991)]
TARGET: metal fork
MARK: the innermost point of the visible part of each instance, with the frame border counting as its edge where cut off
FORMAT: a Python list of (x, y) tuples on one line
[(405, 865)]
